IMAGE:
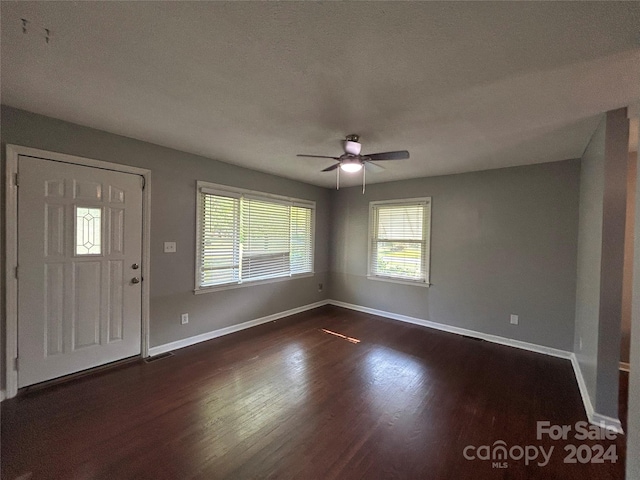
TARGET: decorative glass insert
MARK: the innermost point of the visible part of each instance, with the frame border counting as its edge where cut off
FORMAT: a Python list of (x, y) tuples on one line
[(88, 231)]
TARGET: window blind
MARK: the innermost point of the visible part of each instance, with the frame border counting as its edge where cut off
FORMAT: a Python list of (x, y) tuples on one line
[(399, 240), (246, 237), (301, 240), (265, 240)]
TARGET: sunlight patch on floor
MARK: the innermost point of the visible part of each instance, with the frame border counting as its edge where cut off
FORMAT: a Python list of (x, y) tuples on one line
[(348, 339)]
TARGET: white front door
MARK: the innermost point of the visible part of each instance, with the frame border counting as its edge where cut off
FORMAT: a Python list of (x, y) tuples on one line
[(79, 255)]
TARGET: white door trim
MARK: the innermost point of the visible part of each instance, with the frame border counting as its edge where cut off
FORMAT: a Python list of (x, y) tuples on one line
[(11, 193)]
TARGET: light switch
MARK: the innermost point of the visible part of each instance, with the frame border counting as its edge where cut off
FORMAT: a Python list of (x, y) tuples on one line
[(169, 247)]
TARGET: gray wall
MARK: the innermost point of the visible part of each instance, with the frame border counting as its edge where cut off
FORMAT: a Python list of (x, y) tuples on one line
[(627, 275), (633, 427), (589, 258), (173, 196), (603, 200), (503, 241), (613, 232)]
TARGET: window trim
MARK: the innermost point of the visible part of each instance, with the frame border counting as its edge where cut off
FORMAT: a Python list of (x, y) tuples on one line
[(236, 192), (426, 227)]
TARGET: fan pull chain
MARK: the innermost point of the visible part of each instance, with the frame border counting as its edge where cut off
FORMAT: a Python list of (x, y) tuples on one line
[(338, 178), (364, 177)]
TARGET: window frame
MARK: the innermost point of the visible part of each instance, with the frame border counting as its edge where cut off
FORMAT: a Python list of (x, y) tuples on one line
[(235, 192), (426, 238)]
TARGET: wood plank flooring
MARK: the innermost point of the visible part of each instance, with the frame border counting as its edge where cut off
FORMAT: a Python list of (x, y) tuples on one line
[(287, 400)]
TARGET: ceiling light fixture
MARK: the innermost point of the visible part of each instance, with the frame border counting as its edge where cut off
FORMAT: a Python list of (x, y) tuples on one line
[(351, 161), (351, 166)]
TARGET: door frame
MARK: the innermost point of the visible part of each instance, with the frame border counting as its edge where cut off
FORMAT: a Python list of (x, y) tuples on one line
[(11, 247)]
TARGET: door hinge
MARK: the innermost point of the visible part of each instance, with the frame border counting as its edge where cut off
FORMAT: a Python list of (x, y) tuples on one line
[(15, 364), (16, 272), (15, 180)]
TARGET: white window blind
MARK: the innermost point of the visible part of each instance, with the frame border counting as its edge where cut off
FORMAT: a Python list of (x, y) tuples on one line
[(265, 240), (399, 240), (301, 240), (244, 237), (220, 234)]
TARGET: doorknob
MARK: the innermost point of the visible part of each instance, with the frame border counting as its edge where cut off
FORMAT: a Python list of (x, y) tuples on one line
[(135, 280), (135, 266)]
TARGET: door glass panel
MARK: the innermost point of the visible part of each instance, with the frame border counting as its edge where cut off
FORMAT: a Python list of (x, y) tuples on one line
[(88, 231)]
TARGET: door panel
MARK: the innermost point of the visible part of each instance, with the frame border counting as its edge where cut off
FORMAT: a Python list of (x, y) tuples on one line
[(115, 306), (54, 230), (116, 237), (54, 307), (87, 293), (79, 235)]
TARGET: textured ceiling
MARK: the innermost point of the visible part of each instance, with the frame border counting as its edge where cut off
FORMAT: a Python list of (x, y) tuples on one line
[(462, 86)]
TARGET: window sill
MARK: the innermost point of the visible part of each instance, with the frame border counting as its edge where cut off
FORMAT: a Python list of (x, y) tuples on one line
[(231, 286), (400, 281)]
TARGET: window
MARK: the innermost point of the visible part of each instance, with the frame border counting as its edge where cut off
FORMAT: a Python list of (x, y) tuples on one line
[(399, 232), (246, 236), (88, 227)]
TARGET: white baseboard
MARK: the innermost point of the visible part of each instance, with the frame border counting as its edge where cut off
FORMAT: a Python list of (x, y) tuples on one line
[(606, 422), (185, 342), (593, 417), (532, 347), (582, 386), (625, 367)]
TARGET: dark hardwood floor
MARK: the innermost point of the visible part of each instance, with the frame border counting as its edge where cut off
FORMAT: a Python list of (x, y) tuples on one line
[(287, 400)]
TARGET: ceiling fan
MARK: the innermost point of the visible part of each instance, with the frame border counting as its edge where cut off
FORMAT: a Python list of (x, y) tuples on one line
[(351, 161)]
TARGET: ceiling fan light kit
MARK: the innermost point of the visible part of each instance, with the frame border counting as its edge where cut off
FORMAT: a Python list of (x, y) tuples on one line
[(351, 165), (351, 161)]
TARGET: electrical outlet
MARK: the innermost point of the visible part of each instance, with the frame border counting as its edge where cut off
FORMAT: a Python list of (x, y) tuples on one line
[(514, 319), (184, 319), (320, 287), (169, 247)]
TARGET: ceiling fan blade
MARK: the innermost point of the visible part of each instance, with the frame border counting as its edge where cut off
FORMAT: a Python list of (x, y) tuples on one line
[(399, 155), (332, 167), (317, 156), (373, 168)]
